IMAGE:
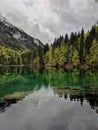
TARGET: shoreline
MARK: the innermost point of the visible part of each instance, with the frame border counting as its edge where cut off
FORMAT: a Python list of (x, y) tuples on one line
[(66, 67)]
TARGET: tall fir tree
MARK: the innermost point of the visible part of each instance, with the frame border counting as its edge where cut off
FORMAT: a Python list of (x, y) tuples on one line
[(81, 52)]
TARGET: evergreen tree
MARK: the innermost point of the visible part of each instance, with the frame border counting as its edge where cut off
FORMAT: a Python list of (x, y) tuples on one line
[(46, 48), (97, 33), (81, 51), (66, 40)]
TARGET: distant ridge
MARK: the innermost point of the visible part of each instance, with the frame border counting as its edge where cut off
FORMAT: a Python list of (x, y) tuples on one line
[(15, 38)]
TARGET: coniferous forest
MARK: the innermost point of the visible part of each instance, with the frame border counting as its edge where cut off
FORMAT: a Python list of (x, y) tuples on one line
[(78, 49)]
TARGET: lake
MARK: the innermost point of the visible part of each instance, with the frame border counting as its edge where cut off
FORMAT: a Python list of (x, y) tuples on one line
[(52, 99)]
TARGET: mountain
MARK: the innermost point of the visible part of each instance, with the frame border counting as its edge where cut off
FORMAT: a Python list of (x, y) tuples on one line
[(13, 37)]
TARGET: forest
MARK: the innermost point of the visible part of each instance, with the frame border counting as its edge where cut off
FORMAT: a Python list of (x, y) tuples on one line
[(76, 50)]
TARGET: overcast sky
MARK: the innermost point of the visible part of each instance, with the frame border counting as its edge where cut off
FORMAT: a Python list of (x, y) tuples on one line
[(47, 19)]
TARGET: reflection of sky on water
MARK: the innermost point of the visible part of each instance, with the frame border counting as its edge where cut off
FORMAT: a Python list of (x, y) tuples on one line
[(42, 110)]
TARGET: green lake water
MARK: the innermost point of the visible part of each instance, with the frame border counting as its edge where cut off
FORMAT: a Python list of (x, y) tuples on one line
[(52, 99)]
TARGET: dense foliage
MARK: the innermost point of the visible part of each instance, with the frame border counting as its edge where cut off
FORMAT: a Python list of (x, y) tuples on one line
[(9, 56), (77, 49)]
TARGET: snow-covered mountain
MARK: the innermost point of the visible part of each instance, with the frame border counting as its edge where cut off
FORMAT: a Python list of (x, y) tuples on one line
[(13, 37)]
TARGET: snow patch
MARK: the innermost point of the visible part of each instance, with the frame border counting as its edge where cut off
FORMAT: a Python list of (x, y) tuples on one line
[(36, 42), (17, 35)]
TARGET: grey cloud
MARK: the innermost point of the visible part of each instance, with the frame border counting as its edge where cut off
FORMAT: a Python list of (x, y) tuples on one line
[(17, 17), (28, 3), (48, 19), (60, 5), (74, 18)]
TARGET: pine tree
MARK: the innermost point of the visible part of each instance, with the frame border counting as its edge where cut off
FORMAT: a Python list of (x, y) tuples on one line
[(46, 48), (97, 34), (81, 52), (66, 40)]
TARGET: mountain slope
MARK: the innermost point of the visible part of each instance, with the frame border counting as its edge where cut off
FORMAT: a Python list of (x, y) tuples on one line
[(12, 37)]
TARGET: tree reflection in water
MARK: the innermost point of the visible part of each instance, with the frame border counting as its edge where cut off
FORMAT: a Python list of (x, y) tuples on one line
[(77, 85)]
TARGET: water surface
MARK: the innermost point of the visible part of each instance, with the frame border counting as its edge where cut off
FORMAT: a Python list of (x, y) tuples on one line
[(48, 99)]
